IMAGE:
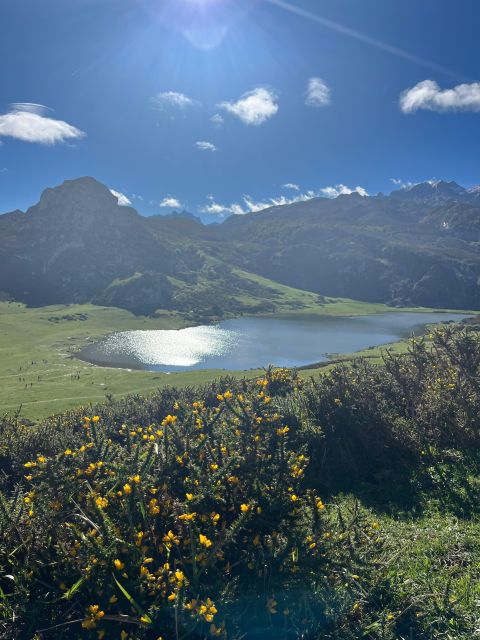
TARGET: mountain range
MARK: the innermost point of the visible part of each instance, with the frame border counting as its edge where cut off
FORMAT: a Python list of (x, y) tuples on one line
[(417, 246)]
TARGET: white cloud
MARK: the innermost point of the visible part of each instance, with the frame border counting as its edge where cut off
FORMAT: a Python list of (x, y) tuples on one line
[(428, 95), (341, 190), (396, 181), (215, 208), (291, 185), (206, 146), (217, 120), (171, 203), (123, 201), (4, 170), (318, 93), (254, 107), (249, 205), (28, 122), (172, 99)]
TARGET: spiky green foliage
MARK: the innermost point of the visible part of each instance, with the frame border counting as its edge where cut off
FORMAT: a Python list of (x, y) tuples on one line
[(218, 512)]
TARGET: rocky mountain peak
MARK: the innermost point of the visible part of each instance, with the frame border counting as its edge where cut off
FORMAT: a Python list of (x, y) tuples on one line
[(85, 192)]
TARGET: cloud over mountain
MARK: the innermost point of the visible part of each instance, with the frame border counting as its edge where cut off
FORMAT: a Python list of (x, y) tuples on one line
[(123, 201), (171, 202)]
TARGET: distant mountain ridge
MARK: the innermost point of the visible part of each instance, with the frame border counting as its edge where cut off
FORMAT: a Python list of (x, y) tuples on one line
[(419, 246)]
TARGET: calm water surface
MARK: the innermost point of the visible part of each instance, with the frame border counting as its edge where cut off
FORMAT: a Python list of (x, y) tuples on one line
[(252, 343)]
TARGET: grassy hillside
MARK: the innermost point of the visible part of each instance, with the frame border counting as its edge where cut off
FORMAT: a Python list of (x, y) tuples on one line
[(342, 508), (38, 373)]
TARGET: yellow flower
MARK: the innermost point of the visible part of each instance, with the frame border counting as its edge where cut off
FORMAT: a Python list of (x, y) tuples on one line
[(136, 479), (172, 597), (127, 489), (30, 465), (41, 459), (187, 517), (227, 395), (214, 467), (153, 507), (113, 599), (169, 420), (96, 419), (170, 538), (179, 576), (94, 614), (101, 503), (204, 541), (244, 508), (293, 497), (119, 565), (189, 496), (68, 452)]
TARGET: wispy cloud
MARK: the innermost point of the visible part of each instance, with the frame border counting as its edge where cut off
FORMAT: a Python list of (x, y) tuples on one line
[(291, 185), (254, 107), (202, 145), (217, 120), (172, 100), (216, 208), (123, 201), (318, 93), (28, 122), (170, 202), (250, 205), (429, 96), (342, 190)]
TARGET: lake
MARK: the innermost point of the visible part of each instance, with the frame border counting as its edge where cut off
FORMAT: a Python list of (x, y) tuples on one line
[(253, 343)]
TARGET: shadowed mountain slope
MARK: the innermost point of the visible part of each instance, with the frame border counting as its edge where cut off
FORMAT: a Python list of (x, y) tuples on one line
[(420, 246)]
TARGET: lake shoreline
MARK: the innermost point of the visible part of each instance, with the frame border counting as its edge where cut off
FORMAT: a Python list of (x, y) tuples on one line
[(88, 354)]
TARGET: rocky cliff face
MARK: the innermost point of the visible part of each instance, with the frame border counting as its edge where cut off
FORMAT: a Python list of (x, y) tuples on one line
[(74, 243)]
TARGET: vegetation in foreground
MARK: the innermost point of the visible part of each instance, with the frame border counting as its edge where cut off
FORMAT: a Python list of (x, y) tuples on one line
[(340, 508)]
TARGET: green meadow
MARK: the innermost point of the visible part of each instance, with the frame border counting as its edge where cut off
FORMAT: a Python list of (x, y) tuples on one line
[(39, 374)]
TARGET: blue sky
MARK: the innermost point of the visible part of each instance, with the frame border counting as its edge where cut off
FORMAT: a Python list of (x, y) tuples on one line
[(308, 93)]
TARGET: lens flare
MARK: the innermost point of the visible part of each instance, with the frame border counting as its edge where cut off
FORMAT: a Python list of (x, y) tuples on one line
[(203, 23)]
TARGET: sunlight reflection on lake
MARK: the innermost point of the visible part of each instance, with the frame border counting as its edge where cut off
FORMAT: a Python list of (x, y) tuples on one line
[(250, 343)]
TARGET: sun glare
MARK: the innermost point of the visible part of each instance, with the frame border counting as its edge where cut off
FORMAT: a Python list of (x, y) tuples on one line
[(204, 23)]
